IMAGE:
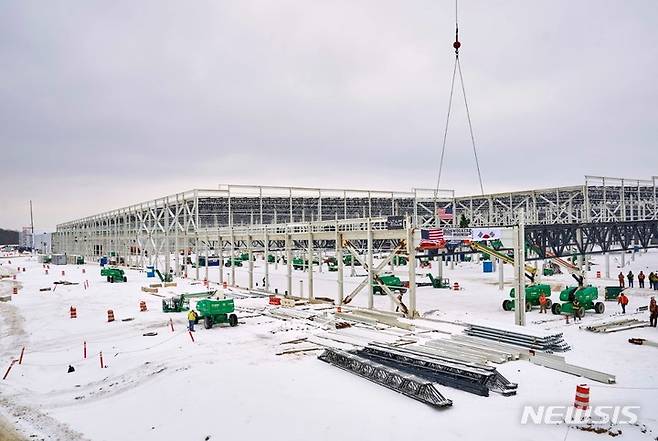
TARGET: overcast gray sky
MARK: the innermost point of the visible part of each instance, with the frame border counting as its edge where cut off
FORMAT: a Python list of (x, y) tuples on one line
[(107, 103)]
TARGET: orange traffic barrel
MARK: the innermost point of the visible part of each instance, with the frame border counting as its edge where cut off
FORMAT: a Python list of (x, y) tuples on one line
[(582, 397)]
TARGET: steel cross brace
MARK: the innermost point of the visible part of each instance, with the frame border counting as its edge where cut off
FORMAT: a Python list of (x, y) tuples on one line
[(401, 246)]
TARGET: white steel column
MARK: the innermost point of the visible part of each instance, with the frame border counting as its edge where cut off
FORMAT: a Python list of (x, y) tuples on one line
[(339, 259), (207, 253), (231, 257), (220, 251), (519, 271), (370, 272), (289, 262), (607, 265), (411, 265), (310, 264), (266, 286), (250, 254)]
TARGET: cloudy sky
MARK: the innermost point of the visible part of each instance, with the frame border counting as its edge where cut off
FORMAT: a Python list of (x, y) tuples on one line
[(107, 103)]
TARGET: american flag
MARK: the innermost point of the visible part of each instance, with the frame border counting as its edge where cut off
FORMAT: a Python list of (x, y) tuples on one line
[(444, 213), (432, 238)]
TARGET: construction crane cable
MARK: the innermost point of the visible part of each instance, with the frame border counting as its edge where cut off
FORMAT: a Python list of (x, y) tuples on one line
[(470, 125), (457, 66), (445, 132)]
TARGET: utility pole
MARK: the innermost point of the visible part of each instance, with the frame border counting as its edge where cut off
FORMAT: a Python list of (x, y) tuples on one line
[(32, 225)]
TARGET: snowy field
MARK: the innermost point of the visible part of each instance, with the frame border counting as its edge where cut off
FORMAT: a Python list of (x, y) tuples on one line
[(231, 384)]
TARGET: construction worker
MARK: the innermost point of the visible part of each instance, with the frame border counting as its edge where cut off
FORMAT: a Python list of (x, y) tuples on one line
[(640, 279), (576, 310), (652, 280), (653, 312), (623, 301), (191, 318), (542, 303), (630, 277), (621, 280)]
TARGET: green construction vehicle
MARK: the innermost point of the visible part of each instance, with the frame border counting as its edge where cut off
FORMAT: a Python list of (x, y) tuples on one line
[(299, 263), (271, 258), (245, 257), (347, 260), (176, 304), (612, 292), (391, 281), (585, 295), (166, 278), (532, 294), (216, 311), (233, 261), (496, 244), (114, 274), (439, 283), (332, 263), (400, 260)]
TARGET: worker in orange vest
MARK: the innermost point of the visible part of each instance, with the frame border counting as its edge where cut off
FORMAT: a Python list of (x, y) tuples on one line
[(623, 301), (622, 279), (542, 303)]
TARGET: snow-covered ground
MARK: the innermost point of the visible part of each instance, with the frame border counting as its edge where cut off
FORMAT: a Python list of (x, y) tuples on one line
[(229, 382)]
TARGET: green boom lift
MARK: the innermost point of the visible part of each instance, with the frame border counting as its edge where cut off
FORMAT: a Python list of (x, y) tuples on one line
[(586, 297), (114, 274), (216, 311)]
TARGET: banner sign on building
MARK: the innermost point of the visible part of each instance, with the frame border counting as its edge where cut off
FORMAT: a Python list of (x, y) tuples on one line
[(480, 234), (457, 233), (395, 222)]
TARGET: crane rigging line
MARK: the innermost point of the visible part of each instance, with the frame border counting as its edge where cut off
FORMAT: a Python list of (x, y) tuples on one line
[(457, 68)]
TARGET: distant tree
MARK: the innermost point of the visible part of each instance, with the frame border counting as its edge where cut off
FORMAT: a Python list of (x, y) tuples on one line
[(8, 237), (463, 221)]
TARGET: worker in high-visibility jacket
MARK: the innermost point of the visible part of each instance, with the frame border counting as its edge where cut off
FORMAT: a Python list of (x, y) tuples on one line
[(623, 301), (542, 303), (191, 318), (653, 312)]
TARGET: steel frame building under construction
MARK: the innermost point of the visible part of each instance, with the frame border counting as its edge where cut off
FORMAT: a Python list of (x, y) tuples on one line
[(305, 221), (144, 226)]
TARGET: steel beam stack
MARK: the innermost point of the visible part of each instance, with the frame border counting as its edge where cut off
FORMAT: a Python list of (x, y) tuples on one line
[(616, 325), (546, 342), (404, 383)]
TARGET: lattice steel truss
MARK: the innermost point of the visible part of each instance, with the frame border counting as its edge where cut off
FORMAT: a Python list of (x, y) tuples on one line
[(407, 384), (600, 199)]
